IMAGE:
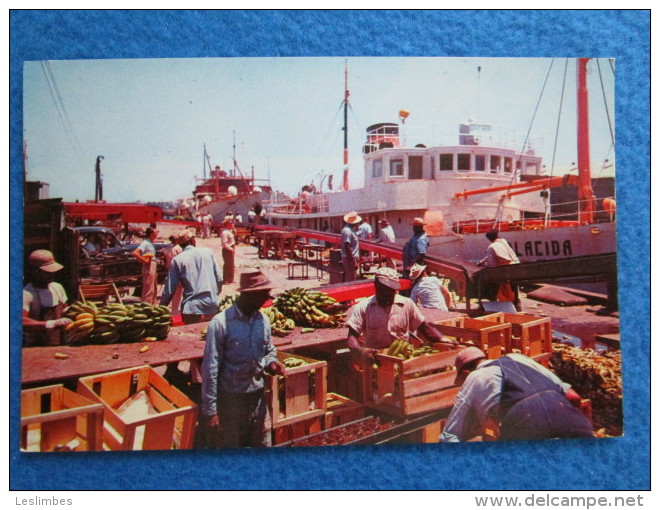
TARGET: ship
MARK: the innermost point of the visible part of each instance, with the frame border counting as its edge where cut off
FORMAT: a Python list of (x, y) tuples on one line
[(231, 192), (464, 190)]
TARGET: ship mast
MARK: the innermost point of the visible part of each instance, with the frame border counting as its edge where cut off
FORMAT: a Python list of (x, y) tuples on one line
[(344, 183), (585, 192)]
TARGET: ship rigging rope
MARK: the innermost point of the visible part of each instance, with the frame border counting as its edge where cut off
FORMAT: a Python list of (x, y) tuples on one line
[(61, 110), (607, 111), (561, 104)]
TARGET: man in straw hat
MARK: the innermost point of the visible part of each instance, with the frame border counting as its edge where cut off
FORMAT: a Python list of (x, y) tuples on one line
[(44, 301), (385, 317), (237, 353), (520, 396), (415, 248), (427, 291), (350, 246)]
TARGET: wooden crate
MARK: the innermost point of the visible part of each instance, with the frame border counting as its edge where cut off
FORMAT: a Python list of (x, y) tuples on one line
[(300, 394), (411, 386), (532, 336), (53, 417), (296, 430), (491, 337), (171, 427), (341, 410)]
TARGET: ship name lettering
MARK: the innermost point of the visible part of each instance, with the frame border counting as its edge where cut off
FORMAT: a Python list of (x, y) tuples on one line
[(544, 248)]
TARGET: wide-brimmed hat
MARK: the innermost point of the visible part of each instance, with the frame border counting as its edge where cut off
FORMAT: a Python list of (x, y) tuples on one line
[(44, 260), (467, 356), (185, 235), (416, 270), (418, 222), (352, 218), (252, 281), (388, 277)]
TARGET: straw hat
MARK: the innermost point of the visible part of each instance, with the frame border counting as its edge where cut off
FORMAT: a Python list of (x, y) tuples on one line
[(352, 218), (416, 270), (418, 222), (44, 260), (388, 277), (252, 281)]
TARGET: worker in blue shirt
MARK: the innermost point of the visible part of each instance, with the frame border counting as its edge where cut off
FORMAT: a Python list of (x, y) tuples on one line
[(237, 353), (414, 250)]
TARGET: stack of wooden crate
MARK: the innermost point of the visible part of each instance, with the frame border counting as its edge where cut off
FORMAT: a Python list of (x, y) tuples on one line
[(531, 336)]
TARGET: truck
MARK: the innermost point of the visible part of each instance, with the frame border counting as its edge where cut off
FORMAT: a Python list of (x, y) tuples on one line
[(46, 226)]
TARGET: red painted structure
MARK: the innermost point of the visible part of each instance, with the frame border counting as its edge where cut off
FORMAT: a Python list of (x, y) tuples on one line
[(104, 212)]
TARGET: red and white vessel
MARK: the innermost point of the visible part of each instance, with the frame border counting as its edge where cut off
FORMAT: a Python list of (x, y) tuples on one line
[(466, 189)]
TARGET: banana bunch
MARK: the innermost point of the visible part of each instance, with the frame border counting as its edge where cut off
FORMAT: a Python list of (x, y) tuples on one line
[(310, 308), (279, 323), (116, 322), (226, 302), (82, 317), (405, 350), (292, 362)]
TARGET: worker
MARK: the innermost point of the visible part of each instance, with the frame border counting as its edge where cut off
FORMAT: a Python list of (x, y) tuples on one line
[(427, 291), (197, 271), (237, 353), (207, 224), (146, 254), (350, 246), (520, 397), (365, 231), (44, 301), (385, 317), (228, 250), (415, 248), (172, 251), (500, 253), (200, 223), (386, 235)]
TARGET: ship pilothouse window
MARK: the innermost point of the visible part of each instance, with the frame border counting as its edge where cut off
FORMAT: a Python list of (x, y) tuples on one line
[(377, 168), (508, 165), (495, 164), (446, 162), (480, 163), (463, 161), (396, 168)]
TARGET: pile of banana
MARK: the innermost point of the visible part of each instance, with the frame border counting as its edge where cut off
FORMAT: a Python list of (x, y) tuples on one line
[(594, 375), (403, 349), (116, 322), (280, 324), (310, 308), (292, 362), (226, 302)]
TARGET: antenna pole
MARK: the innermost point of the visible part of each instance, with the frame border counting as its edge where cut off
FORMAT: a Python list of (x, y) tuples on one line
[(344, 183)]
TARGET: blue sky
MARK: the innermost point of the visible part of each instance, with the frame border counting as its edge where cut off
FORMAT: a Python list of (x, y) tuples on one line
[(150, 118)]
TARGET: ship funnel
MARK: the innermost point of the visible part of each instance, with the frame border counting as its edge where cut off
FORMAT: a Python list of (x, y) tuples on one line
[(381, 136)]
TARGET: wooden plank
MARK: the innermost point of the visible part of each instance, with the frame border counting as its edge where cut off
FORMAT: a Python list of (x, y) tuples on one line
[(429, 383), (158, 433), (431, 401), (58, 432)]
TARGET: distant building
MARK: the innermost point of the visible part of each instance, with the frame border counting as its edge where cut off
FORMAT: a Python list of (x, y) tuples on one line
[(36, 190)]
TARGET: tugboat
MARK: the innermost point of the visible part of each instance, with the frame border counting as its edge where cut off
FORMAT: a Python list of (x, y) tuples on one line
[(464, 190)]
